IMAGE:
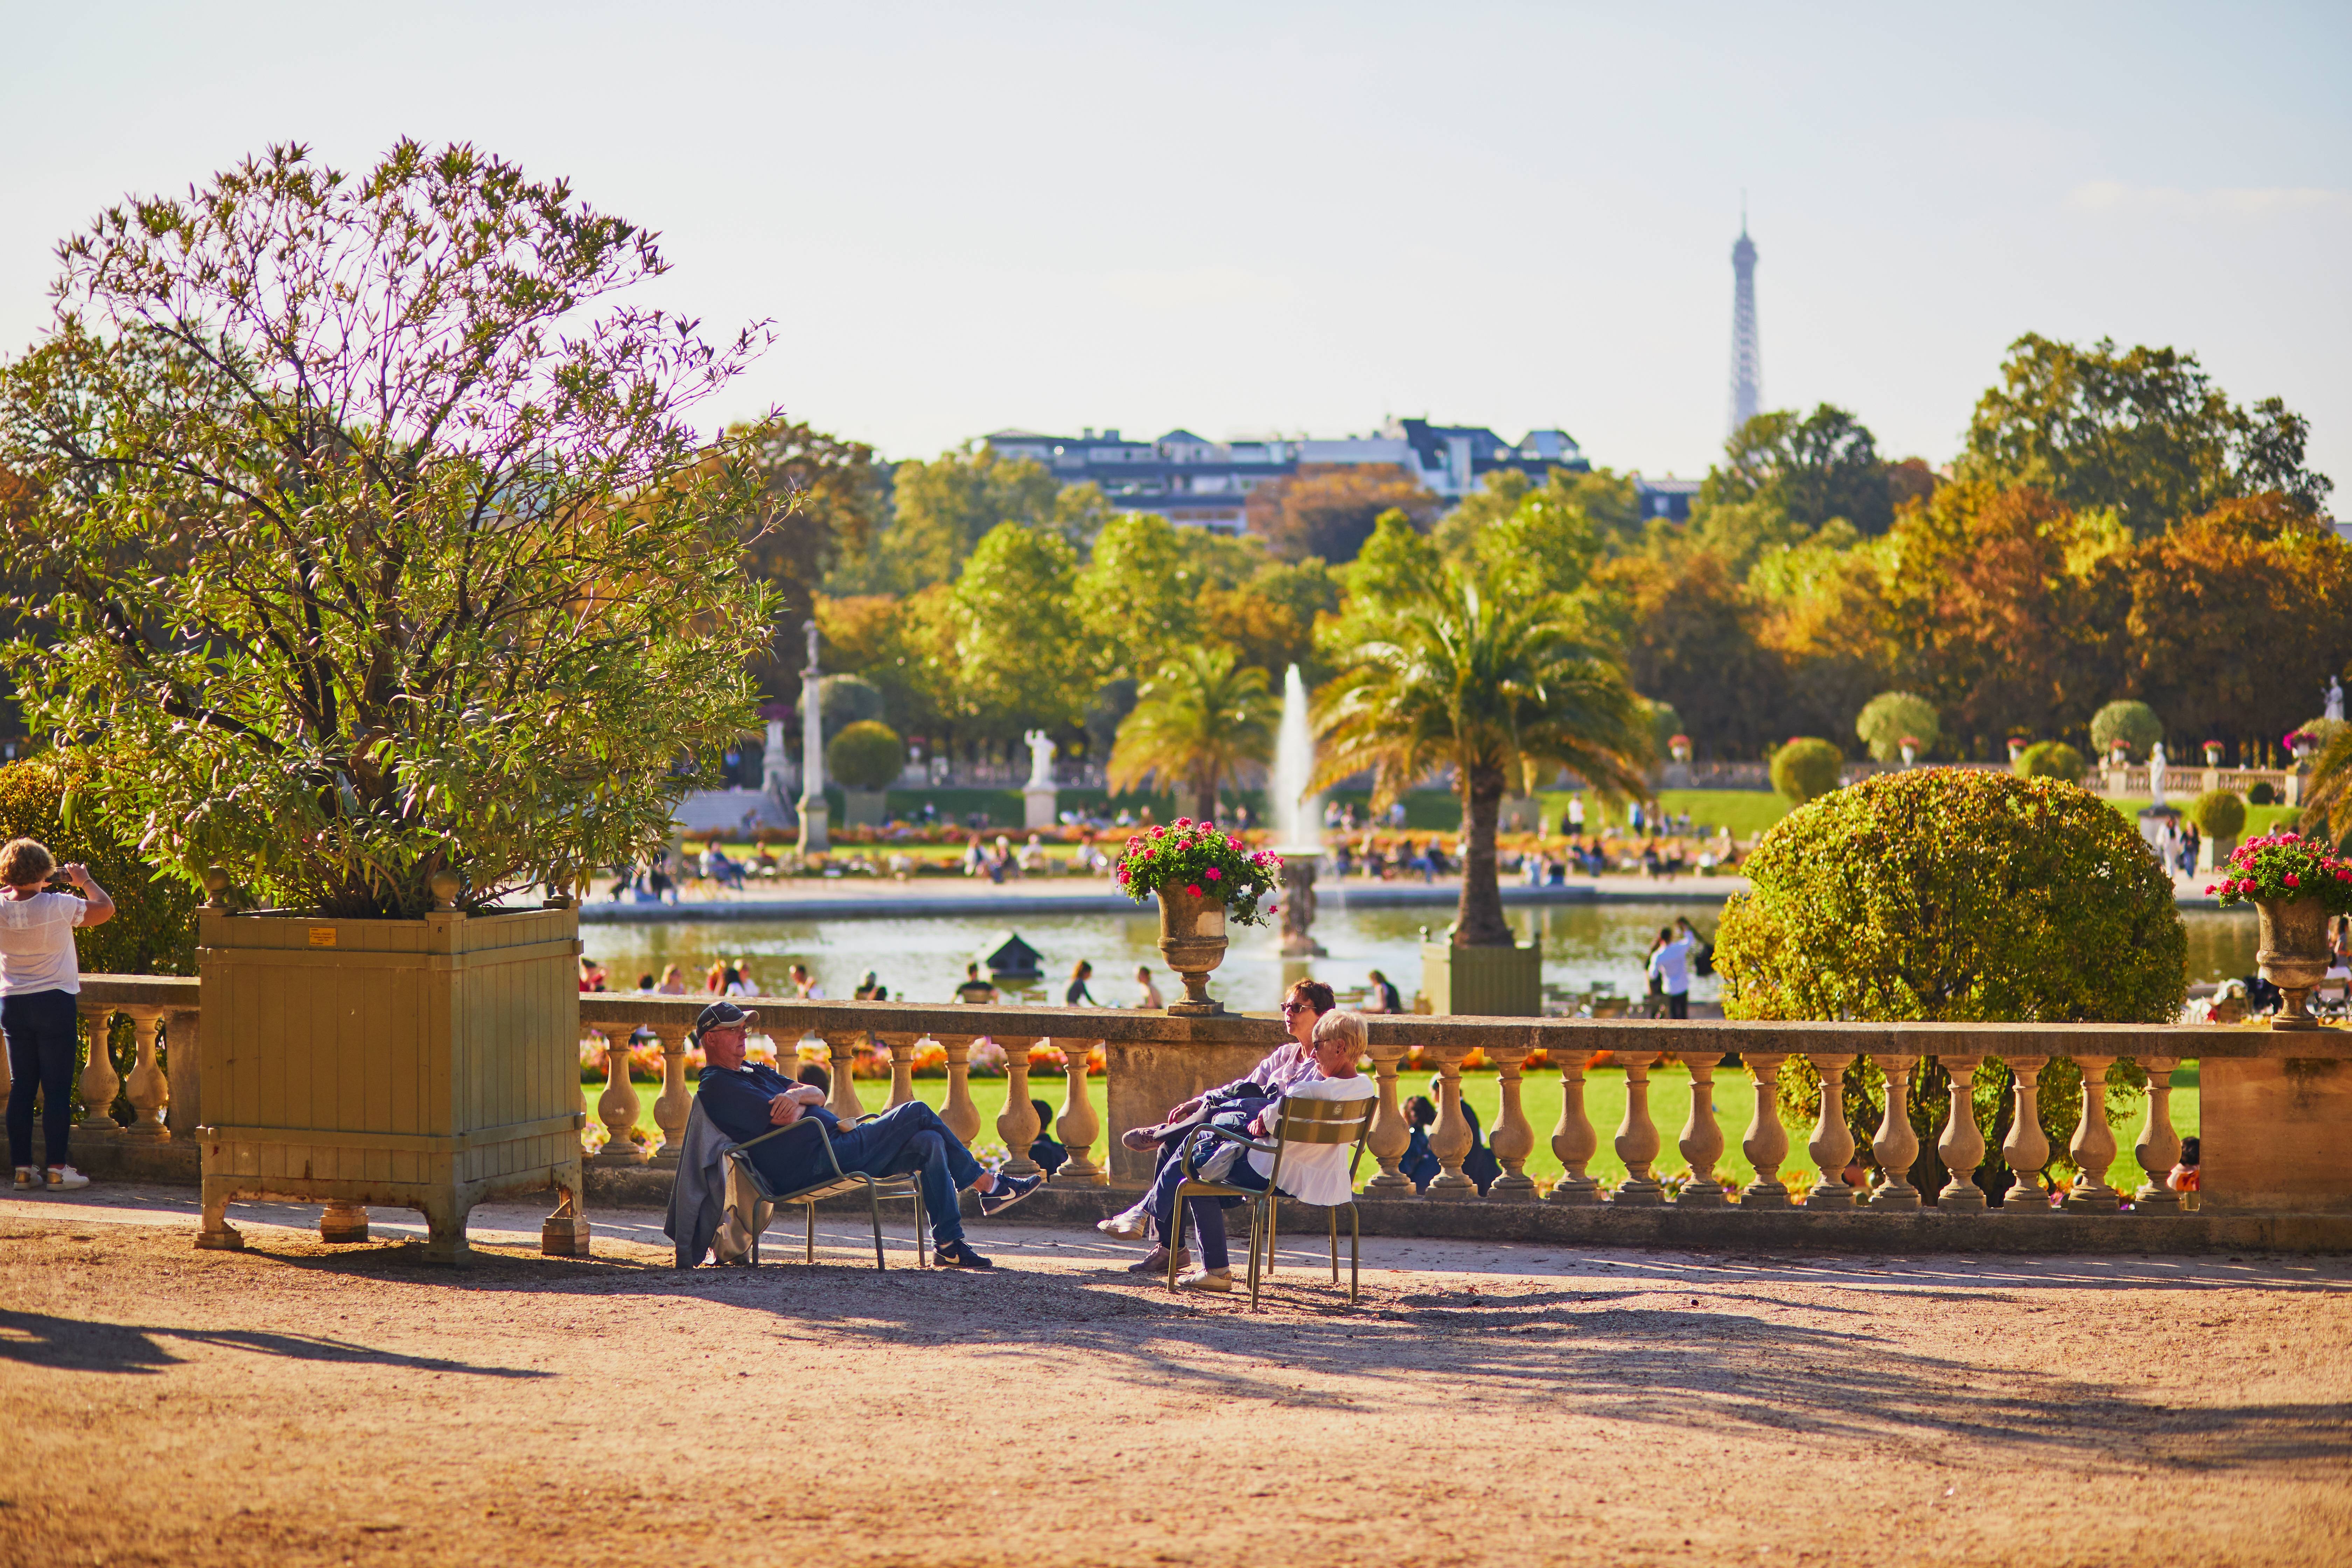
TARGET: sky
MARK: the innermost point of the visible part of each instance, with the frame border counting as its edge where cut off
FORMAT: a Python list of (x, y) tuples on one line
[(1267, 217)]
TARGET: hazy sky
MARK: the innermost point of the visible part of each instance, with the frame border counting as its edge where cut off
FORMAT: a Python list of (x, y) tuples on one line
[(1300, 219)]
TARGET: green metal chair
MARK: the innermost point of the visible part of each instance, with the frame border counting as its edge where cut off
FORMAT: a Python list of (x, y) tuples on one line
[(765, 1199), (1296, 1121)]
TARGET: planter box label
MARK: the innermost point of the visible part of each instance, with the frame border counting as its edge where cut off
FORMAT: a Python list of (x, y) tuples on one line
[(323, 936)]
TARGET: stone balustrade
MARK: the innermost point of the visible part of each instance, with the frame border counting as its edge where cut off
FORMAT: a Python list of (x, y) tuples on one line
[(2276, 1105)]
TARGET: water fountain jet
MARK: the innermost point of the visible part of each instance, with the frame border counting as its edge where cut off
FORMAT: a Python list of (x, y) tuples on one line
[(1298, 820)]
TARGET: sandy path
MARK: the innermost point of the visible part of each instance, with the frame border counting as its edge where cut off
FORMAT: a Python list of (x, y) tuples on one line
[(298, 1404)]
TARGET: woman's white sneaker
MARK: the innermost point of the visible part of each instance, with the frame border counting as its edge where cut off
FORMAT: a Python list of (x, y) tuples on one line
[(1132, 1226), (27, 1177), (65, 1178)]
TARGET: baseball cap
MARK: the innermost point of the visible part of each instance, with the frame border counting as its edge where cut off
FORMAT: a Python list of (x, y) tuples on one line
[(721, 1015)]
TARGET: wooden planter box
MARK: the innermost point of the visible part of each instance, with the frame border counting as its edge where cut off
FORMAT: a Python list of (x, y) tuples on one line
[(1482, 981), (426, 1064)]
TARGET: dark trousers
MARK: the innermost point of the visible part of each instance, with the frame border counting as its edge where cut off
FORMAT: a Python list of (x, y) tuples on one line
[(1677, 1003), (910, 1139), (1208, 1213), (41, 1052)]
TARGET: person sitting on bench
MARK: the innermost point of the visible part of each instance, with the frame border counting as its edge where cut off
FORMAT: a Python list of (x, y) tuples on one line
[(746, 1100)]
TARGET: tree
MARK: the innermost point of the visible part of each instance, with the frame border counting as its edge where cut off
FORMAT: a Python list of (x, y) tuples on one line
[(819, 496), (2052, 760), (1138, 597), (1806, 769), (1889, 719), (1690, 639), (942, 510), (1269, 621), (1328, 510), (1201, 719), (1019, 655), (383, 545), (866, 755), (879, 637), (1822, 465), (1505, 689), (2144, 432)]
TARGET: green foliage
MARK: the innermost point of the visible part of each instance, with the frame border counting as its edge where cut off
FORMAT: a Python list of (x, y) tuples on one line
[(153, 930), (2327, 797), (818, 497), (1199, 721), (1947, 895), (2052, 760), (2133, 724), (1546, 545), (1018, 655), (1137, 596), (1891, 716), (1806, 769), (2218, 813), (382, 541), (1823, 465), (865, 755), (942, 509), (846, 700), (2261, 794), (1665, 725)]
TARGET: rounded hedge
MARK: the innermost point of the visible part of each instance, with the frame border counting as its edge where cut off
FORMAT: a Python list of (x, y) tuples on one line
[(2052, 760), (1806, 769), (1886, 718), (2218, 813), (1943, 894), (153, 930), (2261, 794), (2133, 723), (865, 755)]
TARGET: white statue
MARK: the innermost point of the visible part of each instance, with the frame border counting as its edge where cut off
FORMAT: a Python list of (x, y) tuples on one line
[(2155, 777), (2334, 700), (1041, 760)]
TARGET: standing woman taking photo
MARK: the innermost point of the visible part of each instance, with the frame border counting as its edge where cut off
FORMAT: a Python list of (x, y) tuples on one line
[(39, 978)]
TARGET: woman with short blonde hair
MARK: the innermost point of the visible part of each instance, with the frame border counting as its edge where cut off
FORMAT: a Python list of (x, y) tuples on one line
[(39, 978)]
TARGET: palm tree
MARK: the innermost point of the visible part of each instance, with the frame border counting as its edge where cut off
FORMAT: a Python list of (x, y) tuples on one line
[(1505, 688), (1196, 723), (2327, 797)]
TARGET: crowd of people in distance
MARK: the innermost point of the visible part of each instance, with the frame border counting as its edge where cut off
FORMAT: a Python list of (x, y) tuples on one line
[(725, 977)]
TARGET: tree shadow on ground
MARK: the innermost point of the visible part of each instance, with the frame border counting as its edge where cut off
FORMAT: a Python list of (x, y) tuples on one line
[(71, 1344)]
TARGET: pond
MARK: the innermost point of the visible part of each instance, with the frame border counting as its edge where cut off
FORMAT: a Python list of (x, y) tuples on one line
[(922, 959)]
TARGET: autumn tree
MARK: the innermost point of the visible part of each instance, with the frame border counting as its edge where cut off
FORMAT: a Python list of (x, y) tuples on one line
[(819, 496), (1328, 509)]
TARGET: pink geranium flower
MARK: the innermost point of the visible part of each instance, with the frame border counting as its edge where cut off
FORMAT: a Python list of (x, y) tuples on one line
[(1215, 875), (1194, 889)]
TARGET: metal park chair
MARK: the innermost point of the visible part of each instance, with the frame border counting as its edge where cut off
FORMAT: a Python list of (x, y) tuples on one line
[(751, 1202), (1296, 1121)]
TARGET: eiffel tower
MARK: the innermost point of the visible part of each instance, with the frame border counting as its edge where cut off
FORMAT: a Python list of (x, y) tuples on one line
[(1747, 357)]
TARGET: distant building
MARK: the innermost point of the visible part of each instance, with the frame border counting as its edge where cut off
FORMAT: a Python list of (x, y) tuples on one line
[(1195, 482), (1669, 497)]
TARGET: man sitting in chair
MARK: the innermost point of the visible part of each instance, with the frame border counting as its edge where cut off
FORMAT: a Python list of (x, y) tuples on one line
[(746, 1100)]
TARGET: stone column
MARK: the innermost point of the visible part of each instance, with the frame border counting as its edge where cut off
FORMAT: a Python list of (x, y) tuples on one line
[(617, 1107), (149, 1091), (183, 1047), (1701, 1140), (1575, 1140), (2158, 1149), (1637, 1143), (2094, 1143), (841, 1050), (1514, 1136), (2025, 1149), (1079, 1125), (1962, 1145), (1018, 1126), (960, 1115), (813, 839), (1389, 1137), (1766, 1142), (902, 1068), (1449, 1140), (1831, 1146), (676, 1102), (99, 1082), (1895, 1145)]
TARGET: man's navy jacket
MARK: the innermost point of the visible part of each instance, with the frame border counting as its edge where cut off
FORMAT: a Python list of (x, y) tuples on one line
[(737, 1103)]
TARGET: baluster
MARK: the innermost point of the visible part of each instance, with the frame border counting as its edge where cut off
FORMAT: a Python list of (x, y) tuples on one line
[(149, 1091), (99, 1082), (1079, 1126), (676, 1103), (1449, 1140), (1766, 1142), (2094, 1143), (961, 1115), (902, 1069), (1389, 1137), (1514, 1136), (1575, 1140), (1018, 1126), (618, 1106), (2025, 1149), (1962, 1145), (1895, 1145), (1637, 1141), (1702, 1138), (1832, 1145), (842, 1049), (2158, 1149)]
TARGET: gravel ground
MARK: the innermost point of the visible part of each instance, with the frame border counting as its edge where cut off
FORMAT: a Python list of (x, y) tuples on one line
[(295, 1404)]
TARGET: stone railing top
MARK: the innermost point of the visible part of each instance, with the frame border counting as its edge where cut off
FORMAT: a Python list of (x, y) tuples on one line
[(174, 991)]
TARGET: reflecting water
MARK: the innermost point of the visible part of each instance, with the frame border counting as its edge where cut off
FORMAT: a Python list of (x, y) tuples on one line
[(922, 960)]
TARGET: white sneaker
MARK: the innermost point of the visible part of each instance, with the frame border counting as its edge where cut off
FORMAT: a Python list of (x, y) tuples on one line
[(1207, 1279), (27, 1176), (1132, 1226), (65, 1178)]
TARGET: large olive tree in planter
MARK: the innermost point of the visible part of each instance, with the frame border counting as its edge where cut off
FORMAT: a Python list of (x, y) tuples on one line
[(388, 583)]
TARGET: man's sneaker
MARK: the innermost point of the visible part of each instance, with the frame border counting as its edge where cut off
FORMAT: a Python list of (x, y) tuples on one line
[(1141, 1139), (65, 1178), (958, 1254), (1205, 1280), (27, 1176), (1008, 1191), (1155, 1263), (1132, 1226)]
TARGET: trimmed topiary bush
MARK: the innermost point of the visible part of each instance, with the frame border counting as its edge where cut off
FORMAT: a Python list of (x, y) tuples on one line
[(2218, 813), (2133, 723), (1806, 769), (865, 755), (2052, 760), (1889, 717), (153, 930), (2261, 794)]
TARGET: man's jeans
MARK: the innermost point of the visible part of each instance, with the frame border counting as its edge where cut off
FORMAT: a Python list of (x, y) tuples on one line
[(911, 1138), (43, 1052)]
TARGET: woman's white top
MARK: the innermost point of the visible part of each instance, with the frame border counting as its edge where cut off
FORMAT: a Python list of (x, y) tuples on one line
[(1316, 1173), (36, 944)]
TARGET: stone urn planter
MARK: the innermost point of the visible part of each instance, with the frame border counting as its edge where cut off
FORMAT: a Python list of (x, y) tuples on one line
[(1192, 940), (2294, 954)]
